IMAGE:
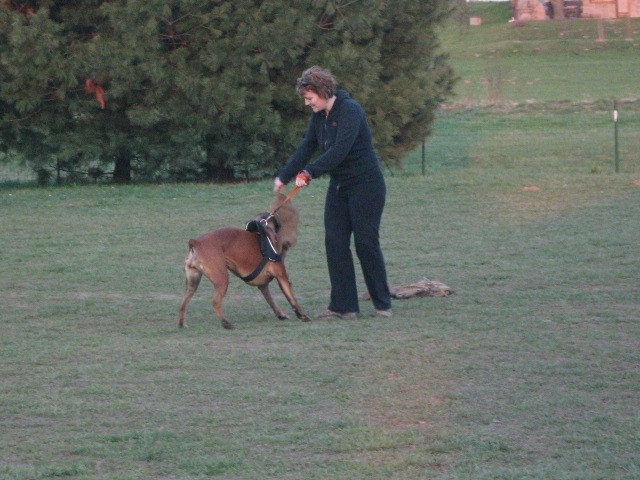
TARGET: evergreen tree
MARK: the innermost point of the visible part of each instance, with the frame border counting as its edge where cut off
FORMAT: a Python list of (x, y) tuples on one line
[(192, 89)]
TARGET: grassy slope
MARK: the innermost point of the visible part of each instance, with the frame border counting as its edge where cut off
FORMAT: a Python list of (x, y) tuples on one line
[(543, 61)]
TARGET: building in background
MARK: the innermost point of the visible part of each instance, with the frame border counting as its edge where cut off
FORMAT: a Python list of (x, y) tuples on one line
[(544, 9)]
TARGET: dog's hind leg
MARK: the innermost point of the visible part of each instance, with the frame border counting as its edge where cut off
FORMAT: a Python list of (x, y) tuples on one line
[(266, 293), (193, 277), (220, 279)]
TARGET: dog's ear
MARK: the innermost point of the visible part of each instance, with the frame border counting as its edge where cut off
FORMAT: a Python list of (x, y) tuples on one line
[(261, 216), (276, 223)]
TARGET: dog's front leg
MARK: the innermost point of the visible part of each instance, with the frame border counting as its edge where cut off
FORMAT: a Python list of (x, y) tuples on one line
[(266, 293), (285, 286)]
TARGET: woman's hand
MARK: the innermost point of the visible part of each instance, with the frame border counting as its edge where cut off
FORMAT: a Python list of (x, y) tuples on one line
[(278, 186), (303, 179)]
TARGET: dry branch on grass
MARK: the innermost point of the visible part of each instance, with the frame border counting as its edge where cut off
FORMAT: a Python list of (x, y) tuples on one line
[(421, 288)]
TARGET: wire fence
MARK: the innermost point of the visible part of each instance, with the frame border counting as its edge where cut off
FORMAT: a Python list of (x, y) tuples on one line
[(595, 137), (587, 137)]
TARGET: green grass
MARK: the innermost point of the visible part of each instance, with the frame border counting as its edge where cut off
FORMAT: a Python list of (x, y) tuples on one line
[(530, 144), (529, 371)]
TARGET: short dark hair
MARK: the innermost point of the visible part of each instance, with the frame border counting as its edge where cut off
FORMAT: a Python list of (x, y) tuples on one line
[(318, 80)]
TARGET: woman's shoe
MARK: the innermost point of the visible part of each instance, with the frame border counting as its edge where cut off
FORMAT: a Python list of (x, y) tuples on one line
[(331, 314), (384, 313)]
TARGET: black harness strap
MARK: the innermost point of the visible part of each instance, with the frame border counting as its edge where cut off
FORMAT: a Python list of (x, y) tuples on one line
[(257, 271), (268, 249)]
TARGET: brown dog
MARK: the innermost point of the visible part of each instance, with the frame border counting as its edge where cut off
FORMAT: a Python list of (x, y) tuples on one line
[(232, 249)]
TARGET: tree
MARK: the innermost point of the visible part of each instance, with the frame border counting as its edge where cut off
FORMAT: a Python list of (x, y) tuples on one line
[(190, 89)]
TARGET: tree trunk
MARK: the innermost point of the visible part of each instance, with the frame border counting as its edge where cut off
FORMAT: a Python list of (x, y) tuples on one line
[(122, 170)]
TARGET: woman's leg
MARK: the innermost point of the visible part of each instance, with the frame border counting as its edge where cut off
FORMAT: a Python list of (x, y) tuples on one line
[(366, 204), (337, 223)]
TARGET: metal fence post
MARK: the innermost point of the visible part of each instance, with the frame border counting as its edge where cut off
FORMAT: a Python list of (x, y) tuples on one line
[(615, 135)]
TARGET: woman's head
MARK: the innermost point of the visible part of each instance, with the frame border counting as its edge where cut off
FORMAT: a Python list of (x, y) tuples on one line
[(317, 80)]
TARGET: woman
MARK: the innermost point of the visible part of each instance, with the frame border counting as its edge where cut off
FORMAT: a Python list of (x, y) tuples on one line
[(339, 130)]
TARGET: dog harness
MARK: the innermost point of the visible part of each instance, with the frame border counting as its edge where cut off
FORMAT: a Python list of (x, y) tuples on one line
[(268, 243)]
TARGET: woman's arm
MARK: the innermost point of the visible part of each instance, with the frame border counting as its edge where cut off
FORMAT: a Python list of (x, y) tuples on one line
[(301, 156)]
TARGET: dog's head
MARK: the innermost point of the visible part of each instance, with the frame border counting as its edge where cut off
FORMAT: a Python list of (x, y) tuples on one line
[(272, 222), (288, 217)]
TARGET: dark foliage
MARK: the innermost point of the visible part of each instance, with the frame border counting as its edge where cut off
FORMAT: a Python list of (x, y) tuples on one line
[(157, 89)]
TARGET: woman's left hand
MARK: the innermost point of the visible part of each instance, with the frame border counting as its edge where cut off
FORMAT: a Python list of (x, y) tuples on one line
[(303, 179)]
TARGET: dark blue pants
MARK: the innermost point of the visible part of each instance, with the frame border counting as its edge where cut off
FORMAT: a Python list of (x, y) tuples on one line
[(355, 209)]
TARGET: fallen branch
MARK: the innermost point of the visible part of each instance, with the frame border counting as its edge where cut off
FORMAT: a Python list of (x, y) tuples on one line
[(421, 288)]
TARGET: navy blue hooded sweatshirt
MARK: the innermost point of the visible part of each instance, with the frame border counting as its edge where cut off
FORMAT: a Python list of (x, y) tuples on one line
[(344, 139)]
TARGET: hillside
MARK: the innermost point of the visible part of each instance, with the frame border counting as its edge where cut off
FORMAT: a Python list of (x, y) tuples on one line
[(501, 61)]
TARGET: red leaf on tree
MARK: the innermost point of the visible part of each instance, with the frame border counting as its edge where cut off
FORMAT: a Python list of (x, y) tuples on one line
[(92, 87)]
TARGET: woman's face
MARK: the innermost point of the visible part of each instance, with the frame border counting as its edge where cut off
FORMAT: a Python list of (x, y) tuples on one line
[(315, 101)]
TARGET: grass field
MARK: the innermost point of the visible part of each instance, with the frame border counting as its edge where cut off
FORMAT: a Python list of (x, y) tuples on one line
[(530, 370)]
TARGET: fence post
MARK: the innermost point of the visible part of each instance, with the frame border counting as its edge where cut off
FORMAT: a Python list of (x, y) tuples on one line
[(601, 37), (615, 135)]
